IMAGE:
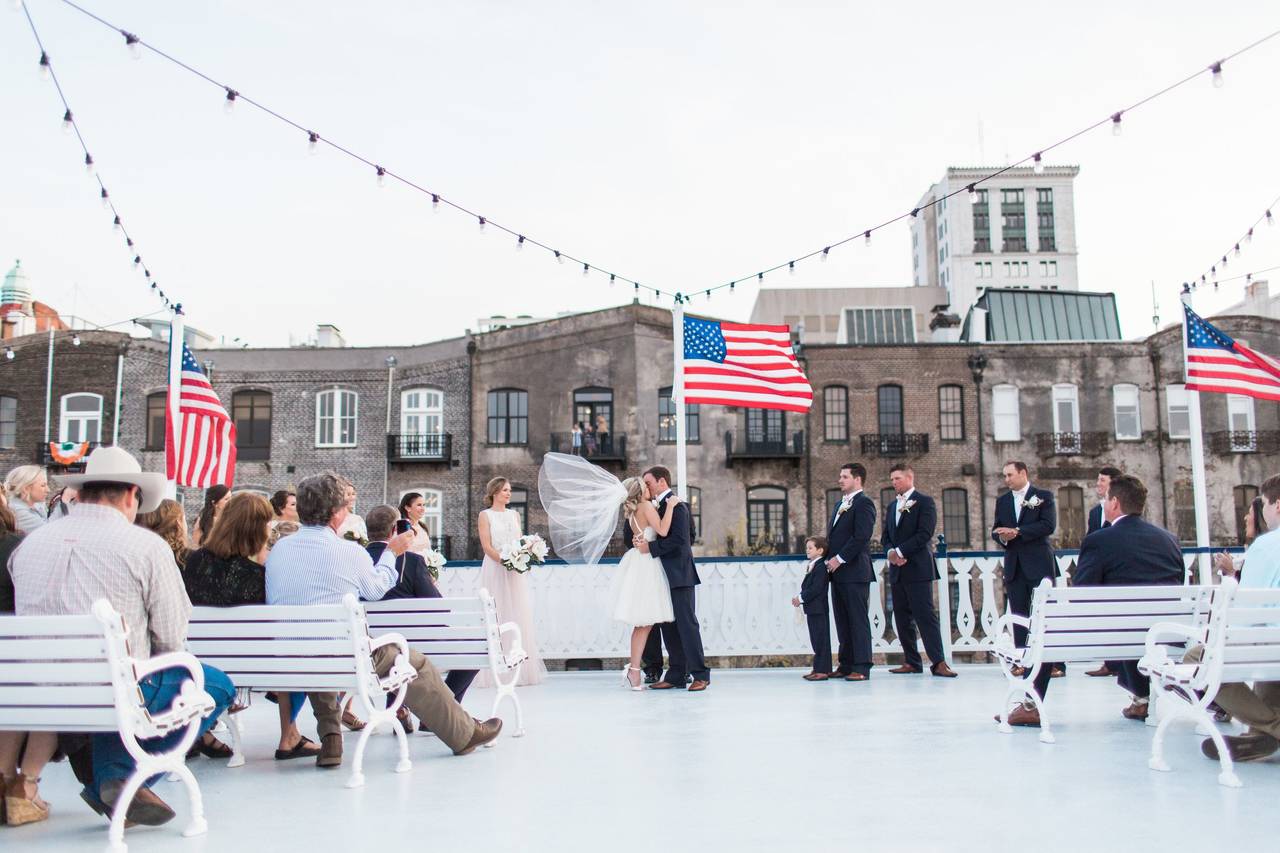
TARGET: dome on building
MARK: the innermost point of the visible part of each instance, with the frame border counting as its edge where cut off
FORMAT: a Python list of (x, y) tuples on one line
[(16, 289)]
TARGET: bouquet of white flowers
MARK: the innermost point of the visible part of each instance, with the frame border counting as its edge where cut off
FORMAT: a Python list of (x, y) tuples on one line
[(435, 562), (524, 553)]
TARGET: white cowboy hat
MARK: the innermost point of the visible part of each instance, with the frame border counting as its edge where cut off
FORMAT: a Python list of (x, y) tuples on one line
[(114, 465)]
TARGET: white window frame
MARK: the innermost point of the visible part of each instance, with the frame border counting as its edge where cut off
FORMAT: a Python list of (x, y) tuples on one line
[(83, 418), (1178, 401), (1242, 440), (337, 395), (1006, 415), (1125, 399), (431, 408), (1066, 436)]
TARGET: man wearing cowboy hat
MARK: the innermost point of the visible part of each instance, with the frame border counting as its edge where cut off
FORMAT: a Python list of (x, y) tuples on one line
[(98, 552)]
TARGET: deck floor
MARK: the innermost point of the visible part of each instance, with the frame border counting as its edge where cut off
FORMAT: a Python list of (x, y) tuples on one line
[(761, 761)]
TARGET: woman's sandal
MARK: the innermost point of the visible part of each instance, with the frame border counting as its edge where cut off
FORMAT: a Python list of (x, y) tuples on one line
[(351, 721), (214, 749), (299, 751)]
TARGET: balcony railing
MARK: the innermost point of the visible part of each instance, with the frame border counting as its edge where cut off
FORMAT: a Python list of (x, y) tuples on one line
[(419, 447), (1244, 441), (444, 544), (748, 447), (612, 449), (45, 454), (1073, 443), (895, 443)]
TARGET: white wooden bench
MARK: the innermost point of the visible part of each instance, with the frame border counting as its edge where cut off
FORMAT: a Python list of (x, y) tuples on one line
[(1087, 624), (1241, 642), (458, 633), (74, 674), (313, 649)]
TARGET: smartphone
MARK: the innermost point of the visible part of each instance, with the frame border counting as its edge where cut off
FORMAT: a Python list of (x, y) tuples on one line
[(403, 525)]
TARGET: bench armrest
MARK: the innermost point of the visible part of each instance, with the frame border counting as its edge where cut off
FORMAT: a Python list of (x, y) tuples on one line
[(1004, 625), (388, 640), (517, 652), (1161, 633), (171, 660)]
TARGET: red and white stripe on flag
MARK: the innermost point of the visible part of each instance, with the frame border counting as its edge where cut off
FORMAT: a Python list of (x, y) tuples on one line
[(741, 364), (1219, 364), (207, 454)]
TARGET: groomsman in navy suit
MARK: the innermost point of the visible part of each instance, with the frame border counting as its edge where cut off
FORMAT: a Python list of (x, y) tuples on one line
[(907, 535), (1025, 518), (848, 557), (1096, 523)]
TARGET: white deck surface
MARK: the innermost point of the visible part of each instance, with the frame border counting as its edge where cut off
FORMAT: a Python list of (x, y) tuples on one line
[(761, 761)]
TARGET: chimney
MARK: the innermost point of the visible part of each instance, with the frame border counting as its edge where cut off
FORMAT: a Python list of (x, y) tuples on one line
[(328, 337)]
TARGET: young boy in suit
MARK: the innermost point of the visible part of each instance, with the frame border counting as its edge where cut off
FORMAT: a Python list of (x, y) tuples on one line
[(813, 598)]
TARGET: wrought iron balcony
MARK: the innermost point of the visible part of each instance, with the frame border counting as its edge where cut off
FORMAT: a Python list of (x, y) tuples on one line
[(896, 444), (419, 447), (45, 453), (444, 544), (748, 447), (1073, 443), (1244, 441), (612, 449)]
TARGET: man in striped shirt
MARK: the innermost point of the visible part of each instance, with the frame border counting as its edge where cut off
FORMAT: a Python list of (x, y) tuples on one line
[(316, 566)]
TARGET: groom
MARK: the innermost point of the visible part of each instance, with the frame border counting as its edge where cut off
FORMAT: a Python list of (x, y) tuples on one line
[(683, 637)]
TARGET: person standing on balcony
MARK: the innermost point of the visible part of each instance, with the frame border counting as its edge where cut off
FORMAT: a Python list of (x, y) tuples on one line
[(588, 439), (848, 556), (907, 536), (602, 434), (1096, 523), (1025, 518), (575, 439)]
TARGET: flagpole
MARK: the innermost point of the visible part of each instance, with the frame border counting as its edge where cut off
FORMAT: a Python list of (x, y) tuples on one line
[(1198, 479), (677, 397), (173, 435)]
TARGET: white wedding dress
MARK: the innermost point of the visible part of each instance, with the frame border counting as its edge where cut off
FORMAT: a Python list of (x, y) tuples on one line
[(639, 593)]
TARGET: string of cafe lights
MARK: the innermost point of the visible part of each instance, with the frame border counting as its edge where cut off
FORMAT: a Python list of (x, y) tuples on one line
[(1210, 276), (70, 125), (233, 96)]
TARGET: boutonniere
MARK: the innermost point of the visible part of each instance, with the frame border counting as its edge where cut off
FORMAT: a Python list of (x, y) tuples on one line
[(351, 536), (1032, 502), (906, 507), (843, 509)]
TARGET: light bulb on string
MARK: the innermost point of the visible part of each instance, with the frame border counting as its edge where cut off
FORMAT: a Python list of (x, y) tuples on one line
[(1270, 221), (115, 226), (88, 163), (137, 259), (791, 268), (8, 353), (559, 257), (1216, 68), (435, 203), (481, 221), (1224, 262), (915, 211), (708, 295), (760, 277), (1237, 250), (44, 65), (731, 284), (826, 253), (1115, 124), (519, 242), (229, 104), (67, 121), (133, 43), (867, 238), (586, 269), (1248, 238), (106, 198), (1037, 165), (611, 279), (75, 340), (313, 142), (973, 194), (382, 181)]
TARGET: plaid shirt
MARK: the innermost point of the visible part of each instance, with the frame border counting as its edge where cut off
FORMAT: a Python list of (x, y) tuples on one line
[(65, 566)]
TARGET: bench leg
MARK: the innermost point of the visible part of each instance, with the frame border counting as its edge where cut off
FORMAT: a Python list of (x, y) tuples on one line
[(1157, 762), (237, 740), (115, 835), (198, 825), (356, 779)]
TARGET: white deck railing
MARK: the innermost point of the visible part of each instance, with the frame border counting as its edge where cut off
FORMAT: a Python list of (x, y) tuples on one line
[(744, 604)]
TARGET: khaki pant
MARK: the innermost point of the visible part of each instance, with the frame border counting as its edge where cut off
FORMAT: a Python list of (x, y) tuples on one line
[(427, 697), (1258, 707)]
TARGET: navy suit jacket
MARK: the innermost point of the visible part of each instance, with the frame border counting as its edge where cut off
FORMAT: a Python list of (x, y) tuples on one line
[(813, 589), (1030, 553), (911, 533), (850, 538), (1131, 552), (675, 550), (415, 581), (1095, 520)]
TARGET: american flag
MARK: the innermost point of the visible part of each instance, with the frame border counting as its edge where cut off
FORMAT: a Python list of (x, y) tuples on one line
[(736, 364), (1217, 363), (208, 452)]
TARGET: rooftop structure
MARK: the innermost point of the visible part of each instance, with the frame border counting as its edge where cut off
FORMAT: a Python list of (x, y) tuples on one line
[(1014, 316)]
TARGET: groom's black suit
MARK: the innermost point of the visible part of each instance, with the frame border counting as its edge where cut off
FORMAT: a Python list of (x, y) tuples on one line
[(850, 539), (683, 636)]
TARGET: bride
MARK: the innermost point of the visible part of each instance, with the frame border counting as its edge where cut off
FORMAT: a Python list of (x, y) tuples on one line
[(582, 502)]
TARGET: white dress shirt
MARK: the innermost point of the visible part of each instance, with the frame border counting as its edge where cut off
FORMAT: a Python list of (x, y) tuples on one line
[(1018, 498), (316, 566), (902, 499), (845, 503)]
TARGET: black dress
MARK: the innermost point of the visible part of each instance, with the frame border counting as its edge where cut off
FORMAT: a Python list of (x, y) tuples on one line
[(218, 582), (7, 543)]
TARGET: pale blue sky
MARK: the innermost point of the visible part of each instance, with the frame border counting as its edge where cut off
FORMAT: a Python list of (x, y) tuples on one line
[(680, 143)]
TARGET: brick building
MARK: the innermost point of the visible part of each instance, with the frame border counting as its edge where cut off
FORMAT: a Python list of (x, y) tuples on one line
[(442, 418)]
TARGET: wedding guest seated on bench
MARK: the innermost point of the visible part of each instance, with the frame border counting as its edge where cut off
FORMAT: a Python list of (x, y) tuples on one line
[(316, 566)]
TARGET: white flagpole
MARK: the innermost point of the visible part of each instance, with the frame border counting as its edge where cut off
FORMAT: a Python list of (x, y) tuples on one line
[(1198, 481), (177, 335), (677, 398)]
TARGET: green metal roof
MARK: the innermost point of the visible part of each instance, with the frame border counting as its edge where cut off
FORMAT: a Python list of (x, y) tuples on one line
[(1046, 315)]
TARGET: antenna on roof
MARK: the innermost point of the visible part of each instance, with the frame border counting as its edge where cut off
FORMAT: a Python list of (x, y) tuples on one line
[(1155, 306)]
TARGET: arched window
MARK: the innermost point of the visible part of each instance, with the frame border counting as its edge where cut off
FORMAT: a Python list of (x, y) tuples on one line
[(508, 416), (1006, 417), (252, 413), (835, 413), (950, 413), (156, 418), (80, 418), (1071, 516), (767, 520), (336, 411)]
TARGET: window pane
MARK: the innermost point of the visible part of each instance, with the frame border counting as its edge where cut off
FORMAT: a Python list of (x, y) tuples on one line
[(955, 517), (951, 412), (1006, 424), (836, 413), (1071, 516), (890, 409)]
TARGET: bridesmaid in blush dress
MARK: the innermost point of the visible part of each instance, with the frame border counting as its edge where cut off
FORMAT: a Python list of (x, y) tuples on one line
[(498, 527)]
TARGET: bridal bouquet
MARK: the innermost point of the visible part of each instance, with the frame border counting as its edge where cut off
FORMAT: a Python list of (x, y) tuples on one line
[(524, 553), (435, 562)]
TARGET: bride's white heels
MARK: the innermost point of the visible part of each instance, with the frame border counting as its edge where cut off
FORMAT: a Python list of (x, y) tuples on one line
[(626, 677)]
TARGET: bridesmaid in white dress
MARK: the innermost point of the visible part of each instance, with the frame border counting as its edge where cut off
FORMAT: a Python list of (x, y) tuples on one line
[(498, 527), (640, 594)]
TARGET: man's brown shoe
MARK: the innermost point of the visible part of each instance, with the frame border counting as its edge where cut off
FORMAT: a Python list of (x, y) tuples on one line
[(1247, 747), (146, 809), (855, 676), (941, 670), (816, 676), (698, 685), (484, 733), (1137, 711), (1023, 716), (662, 685), (1101, 672), (330, 751), (1018, 671), (1057, 672), (907, 669)]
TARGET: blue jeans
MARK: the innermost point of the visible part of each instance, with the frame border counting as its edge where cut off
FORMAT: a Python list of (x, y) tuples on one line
[(111, 761)]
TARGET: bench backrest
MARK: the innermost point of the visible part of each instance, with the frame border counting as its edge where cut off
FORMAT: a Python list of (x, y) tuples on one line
[(1095, 623), (1243, 639), (322, 647), (454, 633), (66, 673)]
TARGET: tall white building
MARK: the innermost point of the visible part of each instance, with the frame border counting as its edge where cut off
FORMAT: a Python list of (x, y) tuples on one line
[(1019, 233)]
